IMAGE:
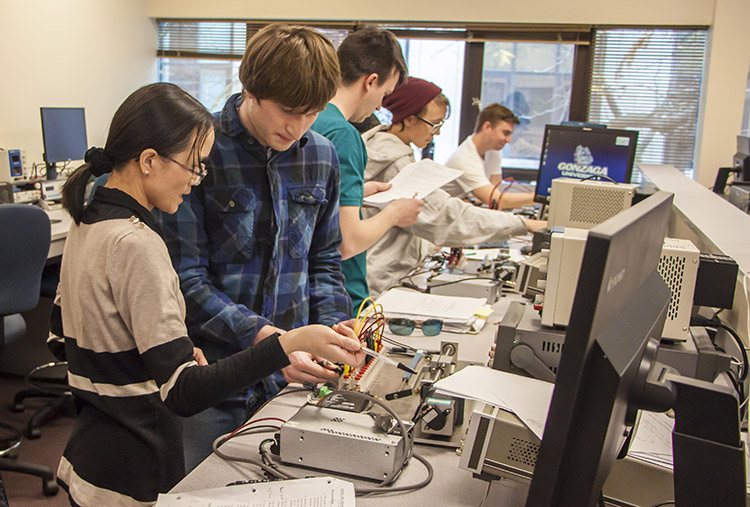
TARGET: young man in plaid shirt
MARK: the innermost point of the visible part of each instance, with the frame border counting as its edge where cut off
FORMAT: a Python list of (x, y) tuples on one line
[(256, 246)]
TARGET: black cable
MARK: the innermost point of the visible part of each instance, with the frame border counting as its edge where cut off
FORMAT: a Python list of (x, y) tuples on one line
[(460, 280), (599, 176), (743, 351), (669, 502), (698, 320), (275, 471), (740, 388)]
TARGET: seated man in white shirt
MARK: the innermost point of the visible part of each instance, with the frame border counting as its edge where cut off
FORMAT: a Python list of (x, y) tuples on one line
[(479, 158)]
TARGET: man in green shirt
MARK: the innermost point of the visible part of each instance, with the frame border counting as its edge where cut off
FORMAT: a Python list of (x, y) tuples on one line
[(372, 66)]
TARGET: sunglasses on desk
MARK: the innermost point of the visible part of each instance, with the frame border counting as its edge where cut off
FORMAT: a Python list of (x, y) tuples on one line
[(405, 327)]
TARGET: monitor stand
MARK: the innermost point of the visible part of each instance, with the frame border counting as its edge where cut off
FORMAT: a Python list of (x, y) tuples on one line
[(51, 171)]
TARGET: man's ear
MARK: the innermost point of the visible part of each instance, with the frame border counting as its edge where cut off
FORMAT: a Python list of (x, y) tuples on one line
[(147, 159), (486, 126), (370, 81), (246, 95)]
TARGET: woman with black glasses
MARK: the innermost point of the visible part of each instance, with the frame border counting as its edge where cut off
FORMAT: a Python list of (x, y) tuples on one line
[(131, 364)]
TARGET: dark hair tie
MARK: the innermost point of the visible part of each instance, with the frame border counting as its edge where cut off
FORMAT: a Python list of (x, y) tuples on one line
[(99, 162)]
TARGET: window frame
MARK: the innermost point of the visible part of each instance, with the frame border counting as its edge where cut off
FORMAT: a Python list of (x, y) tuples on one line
[(475, 35)]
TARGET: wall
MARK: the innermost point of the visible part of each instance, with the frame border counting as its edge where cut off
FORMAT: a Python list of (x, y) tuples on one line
[(727, 61), (92, 53), (674, 12), (724, 89), (89, 53)]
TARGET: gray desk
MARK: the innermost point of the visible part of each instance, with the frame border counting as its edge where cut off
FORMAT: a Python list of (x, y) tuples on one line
[(450, 485)]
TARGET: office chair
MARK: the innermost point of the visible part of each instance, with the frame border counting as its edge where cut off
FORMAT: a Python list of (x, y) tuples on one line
[(25, 232), (42, 379)]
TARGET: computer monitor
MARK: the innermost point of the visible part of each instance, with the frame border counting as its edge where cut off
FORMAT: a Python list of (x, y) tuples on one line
[(64, 136), (606, 369), (583, 152)]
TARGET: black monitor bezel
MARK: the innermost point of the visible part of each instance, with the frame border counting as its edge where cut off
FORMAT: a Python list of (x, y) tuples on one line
[(632, 134), (600, 377), (45, 132)]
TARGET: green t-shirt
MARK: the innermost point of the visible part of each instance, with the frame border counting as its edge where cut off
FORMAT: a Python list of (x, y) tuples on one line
[(352, 155)]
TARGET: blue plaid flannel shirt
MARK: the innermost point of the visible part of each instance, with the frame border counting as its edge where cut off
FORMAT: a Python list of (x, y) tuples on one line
[(212, 244)]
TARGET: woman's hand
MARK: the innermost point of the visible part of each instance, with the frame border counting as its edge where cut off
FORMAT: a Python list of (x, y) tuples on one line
[(338, 344)]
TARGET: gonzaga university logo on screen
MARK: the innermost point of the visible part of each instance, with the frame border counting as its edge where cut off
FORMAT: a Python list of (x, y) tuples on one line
[(582, 165)]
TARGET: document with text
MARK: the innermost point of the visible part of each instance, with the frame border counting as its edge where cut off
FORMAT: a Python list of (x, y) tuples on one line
[(415, 180), (310, 492)]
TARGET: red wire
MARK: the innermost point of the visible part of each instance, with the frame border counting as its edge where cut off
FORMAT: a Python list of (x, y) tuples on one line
[(496, 204), (253, 422)]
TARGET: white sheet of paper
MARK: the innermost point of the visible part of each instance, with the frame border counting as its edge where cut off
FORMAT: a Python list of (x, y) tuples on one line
[(409, 303), (312, 492), (528, 398), (653, 439), (418, 178), (653, 442)]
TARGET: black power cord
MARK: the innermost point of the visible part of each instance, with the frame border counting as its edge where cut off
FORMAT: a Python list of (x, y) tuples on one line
[(698, 320)]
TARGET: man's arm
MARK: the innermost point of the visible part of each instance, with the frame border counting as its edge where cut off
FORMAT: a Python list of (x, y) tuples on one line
[(449, 221), (360, 234), (507, 201)]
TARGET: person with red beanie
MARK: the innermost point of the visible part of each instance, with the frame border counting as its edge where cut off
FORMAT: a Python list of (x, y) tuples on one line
[(419, 109)]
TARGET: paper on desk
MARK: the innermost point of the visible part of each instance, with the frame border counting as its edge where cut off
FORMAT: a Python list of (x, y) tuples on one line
[(418, 178), (653, 439), (313, 492), (412, 304), (653, 442), (528, 398)]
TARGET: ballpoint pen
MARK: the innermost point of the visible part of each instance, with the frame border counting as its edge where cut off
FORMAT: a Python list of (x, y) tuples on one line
[(387, 359)]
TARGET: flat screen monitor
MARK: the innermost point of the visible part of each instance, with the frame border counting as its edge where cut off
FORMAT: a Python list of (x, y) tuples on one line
[(63, 134), (582, 152), (611, 343)]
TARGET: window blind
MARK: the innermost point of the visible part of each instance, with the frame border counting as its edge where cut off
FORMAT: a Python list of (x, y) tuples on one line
[(201, 39), (179, 38), (650, 80)]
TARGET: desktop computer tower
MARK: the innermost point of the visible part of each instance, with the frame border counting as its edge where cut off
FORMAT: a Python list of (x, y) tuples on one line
[(586, 203), (678, 267)]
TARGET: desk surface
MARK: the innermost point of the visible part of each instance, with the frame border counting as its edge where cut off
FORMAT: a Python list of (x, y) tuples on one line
[(450, 485), (61, 222)]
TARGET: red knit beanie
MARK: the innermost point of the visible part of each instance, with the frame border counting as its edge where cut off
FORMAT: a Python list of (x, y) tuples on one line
[(410, 98)]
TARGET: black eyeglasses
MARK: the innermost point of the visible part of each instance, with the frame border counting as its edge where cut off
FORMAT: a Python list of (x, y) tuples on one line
[(198, 174), (435, 126)]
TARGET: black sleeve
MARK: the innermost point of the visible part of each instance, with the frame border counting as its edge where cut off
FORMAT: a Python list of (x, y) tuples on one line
[(197, 388)]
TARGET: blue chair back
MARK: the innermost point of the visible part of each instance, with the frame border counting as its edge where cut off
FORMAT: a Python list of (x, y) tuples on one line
[(25, 234)]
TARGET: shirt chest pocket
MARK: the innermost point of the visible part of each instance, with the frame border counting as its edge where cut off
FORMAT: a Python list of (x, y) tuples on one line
[(230, 221), (304, 205)]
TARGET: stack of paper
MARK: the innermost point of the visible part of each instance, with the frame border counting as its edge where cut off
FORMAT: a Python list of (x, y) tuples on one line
[(418, 179), (457, 313)]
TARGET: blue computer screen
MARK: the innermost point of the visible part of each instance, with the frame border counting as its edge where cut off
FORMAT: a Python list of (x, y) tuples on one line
[(64, 133), (582, 152)]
